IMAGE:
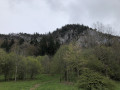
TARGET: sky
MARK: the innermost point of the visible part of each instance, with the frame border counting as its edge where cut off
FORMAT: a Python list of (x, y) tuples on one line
[(42, 16)]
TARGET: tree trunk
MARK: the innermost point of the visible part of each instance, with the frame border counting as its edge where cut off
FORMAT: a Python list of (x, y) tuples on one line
[(78, 72), (32, 74), (5, 77), (16, 74), (65, 75), (60, 77)]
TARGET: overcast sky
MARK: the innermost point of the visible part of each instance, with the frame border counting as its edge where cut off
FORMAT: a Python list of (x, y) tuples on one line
[(46, 15)]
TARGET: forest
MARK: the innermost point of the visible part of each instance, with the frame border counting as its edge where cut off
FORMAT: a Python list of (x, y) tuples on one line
[(88, 58)]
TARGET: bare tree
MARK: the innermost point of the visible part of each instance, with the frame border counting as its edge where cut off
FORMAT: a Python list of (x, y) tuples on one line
[(107, 30), (99, 27)]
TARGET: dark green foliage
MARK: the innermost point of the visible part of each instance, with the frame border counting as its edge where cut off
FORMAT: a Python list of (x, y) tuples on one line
[(48, 45), (77, 29), (107, 56), (11, 42), (43, 46), (96, 65), (21, 41), (7, 44), (90, 80), (34, 41)]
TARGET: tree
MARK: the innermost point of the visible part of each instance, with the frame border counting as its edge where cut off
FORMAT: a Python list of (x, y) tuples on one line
[(18, 51), (51, 46), (2, 59), (104, 54), (22, 68), (58, 64), (105, 38), (33, 66), (43, 46), (11, 43), (5, 45), (73, 61), (48, 45), (69, 62), (110, 60), (21, 41), (45, 63), (7, 64)]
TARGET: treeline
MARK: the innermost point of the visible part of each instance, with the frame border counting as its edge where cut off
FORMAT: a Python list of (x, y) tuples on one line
[(92, 68), (93, 64), (46, 46), (42, 44), (15, 66)]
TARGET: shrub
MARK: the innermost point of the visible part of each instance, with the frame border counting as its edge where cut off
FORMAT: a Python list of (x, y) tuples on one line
[(90, 80)]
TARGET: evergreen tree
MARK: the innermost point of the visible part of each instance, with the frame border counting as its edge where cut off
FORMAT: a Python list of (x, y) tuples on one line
[(5, 45), (21, 41)]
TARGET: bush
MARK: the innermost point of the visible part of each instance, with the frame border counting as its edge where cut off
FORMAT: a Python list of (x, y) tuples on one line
[(90, 80)]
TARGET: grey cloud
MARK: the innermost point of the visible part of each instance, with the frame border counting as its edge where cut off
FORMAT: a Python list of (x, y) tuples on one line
[(47, 15)]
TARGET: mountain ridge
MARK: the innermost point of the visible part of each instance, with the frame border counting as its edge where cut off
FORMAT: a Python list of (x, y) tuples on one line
[(50, 42)]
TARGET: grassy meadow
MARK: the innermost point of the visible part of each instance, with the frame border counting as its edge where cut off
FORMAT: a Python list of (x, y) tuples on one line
[(42, 82)]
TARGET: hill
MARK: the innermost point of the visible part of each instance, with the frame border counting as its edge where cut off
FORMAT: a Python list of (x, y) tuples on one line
[(81, 56), (42, 44)]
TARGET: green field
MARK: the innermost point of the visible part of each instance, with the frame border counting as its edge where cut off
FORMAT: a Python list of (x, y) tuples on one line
[(118, 86), (43, 82)]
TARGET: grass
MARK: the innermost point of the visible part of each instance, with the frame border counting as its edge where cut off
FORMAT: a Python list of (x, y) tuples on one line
[(56, 86), (118, 86), (43, 82)]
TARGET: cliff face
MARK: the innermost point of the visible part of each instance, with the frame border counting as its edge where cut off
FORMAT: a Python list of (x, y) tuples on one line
[(84, 36)]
